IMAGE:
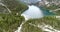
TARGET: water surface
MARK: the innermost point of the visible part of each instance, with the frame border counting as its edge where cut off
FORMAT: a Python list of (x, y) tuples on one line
[(33, 12)]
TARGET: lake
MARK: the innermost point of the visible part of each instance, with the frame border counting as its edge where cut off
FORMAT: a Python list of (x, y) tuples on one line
[(34, 12)]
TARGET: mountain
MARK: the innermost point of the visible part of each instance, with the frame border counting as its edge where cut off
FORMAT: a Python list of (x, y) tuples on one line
[(30, 1), (14, 5), (9, 21), (3, 9)]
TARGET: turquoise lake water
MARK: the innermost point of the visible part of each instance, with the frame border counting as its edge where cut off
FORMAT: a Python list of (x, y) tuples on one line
[(46, 12), (36, 12)]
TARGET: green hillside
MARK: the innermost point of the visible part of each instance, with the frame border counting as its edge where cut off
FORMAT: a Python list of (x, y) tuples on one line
[(9, 22)]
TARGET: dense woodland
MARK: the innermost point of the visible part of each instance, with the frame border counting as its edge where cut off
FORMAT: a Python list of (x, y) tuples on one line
[(48, 20), (9, 22)]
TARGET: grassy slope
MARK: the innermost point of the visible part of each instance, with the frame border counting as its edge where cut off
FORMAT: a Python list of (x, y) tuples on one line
[(15, 5), (50, 20), (10, 22), (57, 12), (28, 28), (53, 7)]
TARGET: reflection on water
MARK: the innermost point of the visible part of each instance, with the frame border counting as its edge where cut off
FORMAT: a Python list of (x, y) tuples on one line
[(33, 12)]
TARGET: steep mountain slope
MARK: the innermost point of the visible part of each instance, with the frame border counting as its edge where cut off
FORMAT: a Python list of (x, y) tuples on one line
[(39, 24), (14, 5), (9, 21)]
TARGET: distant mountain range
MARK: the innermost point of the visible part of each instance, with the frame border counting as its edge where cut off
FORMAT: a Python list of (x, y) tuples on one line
[(30, 1), (56, 2)]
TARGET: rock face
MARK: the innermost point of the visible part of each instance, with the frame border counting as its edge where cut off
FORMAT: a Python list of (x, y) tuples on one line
[(30, 1)]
